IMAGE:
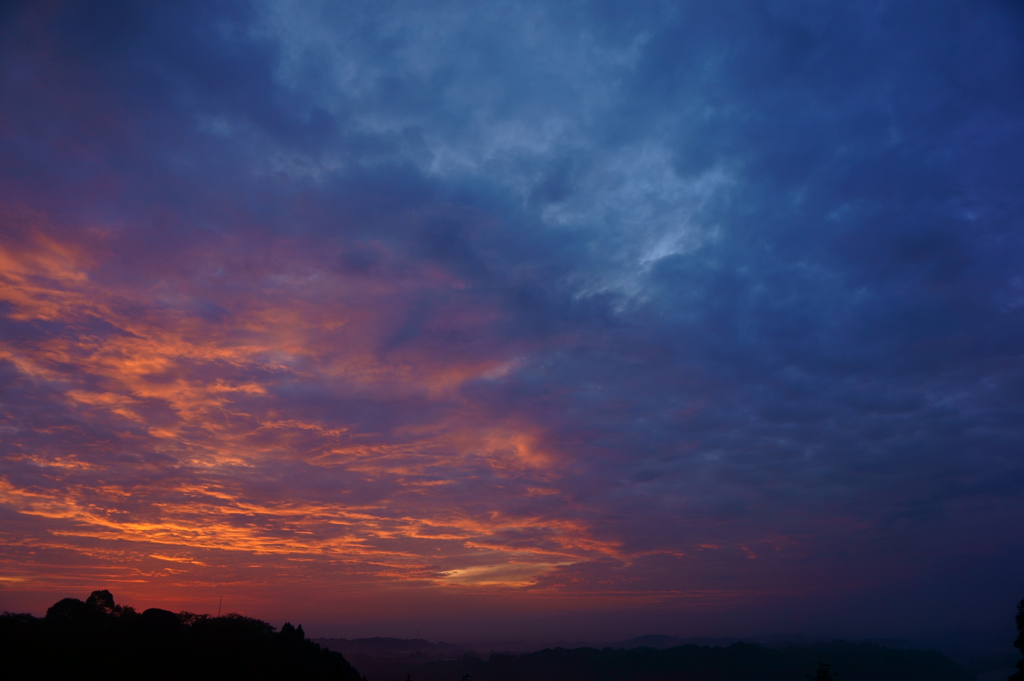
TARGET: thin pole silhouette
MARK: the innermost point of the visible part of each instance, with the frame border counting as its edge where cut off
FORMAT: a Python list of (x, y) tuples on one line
[(220, 603)]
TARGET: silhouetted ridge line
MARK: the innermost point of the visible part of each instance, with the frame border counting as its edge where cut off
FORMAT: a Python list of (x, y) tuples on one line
[(737, 662), (392, 647), (98, 639)]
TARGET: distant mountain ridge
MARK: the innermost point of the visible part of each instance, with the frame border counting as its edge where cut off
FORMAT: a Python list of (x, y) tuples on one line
[(380, 646), (387, 647), (661, 641), (736, 662)]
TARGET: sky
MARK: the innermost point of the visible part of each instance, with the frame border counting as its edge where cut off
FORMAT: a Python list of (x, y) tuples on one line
[(579, 320)]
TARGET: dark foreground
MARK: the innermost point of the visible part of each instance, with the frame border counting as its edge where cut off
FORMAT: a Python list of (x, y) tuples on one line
[(98, 639), (738, 662), (387, 659)]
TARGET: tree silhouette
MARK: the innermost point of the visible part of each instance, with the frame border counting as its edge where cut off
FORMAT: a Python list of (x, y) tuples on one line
[(1019, 643), (103, 601), (97, 638)]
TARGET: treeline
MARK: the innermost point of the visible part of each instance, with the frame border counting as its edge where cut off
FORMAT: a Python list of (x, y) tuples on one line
[(1019, 643), (737, 662), (98, 639)]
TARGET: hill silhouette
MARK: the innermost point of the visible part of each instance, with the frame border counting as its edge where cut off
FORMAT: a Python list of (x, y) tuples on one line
[(98, 639), (736, 662)]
